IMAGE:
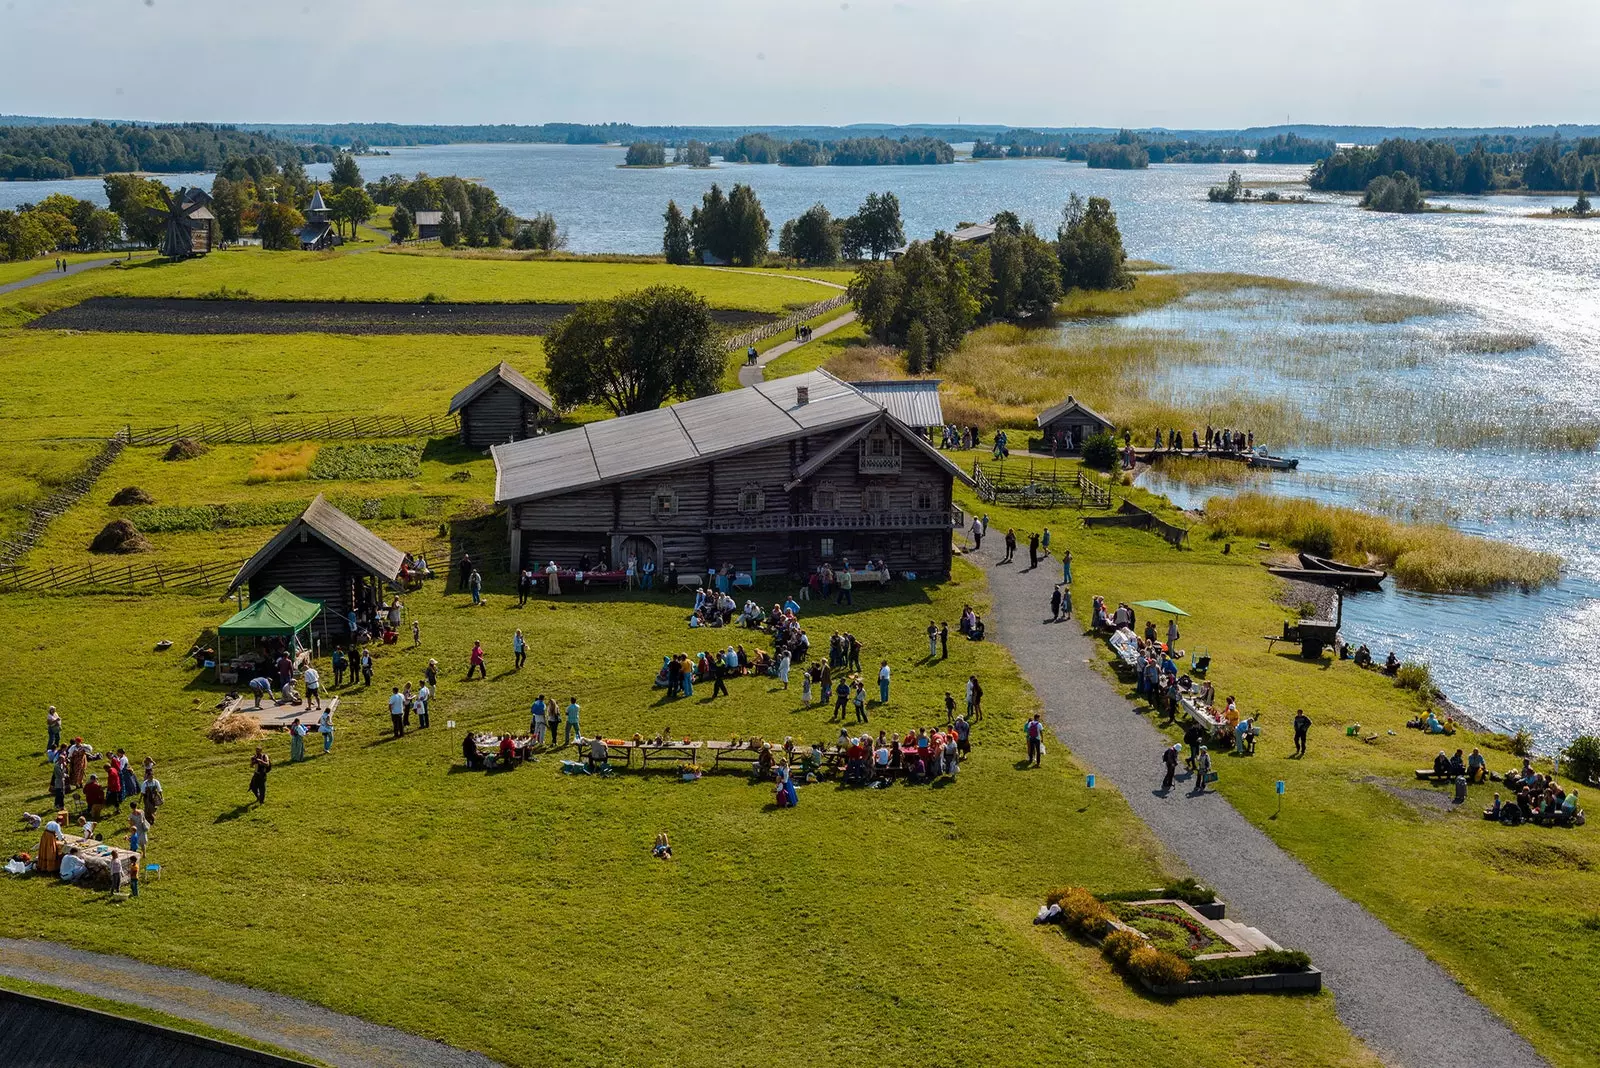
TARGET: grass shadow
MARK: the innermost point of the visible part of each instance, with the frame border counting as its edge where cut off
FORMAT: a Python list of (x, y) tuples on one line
[(235, 812)]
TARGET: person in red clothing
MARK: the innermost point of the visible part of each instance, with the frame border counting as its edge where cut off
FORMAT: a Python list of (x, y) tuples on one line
[(113, 784), (94, 795), (475, 662), (508, 750)]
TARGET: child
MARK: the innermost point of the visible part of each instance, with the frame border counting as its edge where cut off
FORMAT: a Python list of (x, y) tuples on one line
[(805, 687), (416, 632)]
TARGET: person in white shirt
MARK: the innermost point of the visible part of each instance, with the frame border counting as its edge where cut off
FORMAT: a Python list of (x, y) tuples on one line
[(313, 687), (424, 698), (883, 683)]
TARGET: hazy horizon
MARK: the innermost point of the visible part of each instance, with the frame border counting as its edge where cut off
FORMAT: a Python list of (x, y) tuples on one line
[(1229, 64)]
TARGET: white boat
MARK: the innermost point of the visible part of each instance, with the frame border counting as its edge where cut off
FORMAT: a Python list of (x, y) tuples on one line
[(1262, 458)]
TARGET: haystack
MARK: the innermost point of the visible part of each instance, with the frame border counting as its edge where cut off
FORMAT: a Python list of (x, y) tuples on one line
[(131, 495), (233, 727), (119, 536), (184, 449)]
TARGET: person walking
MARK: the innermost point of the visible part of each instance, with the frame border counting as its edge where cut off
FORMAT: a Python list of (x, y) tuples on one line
[(313, 681), (1044, 542), (139, 828), (297, 742), (977, 533), (519, 649), (861, 701), (58, 782), (1033, 551), (784, 663), (416, 633), (1169, 757), (424, 699), (1035, 731), (1066, 567), (339, 665), (397, 712), (260, 764), (1202, 770), (475, 662), (1055, 603), (1066, 602), (883, 683), (944, 640), (325, 725), (476, 584), (536, 720), (366, 668), (974, 699), (573, 711), (841, 702), (1193, 738), (1302, 727), (845, 596), (1011, 546), (464, 573), (719, 674), (150, 792), (52, 727)]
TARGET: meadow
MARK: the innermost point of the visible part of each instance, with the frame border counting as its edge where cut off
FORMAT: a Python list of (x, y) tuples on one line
[(1502, 909)]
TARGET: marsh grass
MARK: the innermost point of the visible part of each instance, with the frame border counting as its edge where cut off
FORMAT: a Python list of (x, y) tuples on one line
[(1422, 557), (288, 463), (1195, 471)]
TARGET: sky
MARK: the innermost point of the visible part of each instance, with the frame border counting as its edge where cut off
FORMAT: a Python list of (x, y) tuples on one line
[(1207, 64)]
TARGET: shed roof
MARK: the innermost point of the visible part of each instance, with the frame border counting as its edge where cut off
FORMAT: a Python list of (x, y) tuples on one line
[(314, 231), (1050, 415), (428, 218), (913, 401), (970, 232), (279, 612), (512, 377), (336, 530), (637, 445)]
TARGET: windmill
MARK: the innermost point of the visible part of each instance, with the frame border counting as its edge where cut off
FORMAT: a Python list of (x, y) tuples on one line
[(189, 223)]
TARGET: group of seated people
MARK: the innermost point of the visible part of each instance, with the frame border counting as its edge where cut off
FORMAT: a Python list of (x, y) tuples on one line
[(1122, 618), (922, 755), (1432, 724), (1474, 768), (486, 753), (971, 627), (1535, 798)]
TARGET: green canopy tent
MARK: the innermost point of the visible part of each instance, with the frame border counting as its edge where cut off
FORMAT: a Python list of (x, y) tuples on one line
[(279, 614), (1161, 606)]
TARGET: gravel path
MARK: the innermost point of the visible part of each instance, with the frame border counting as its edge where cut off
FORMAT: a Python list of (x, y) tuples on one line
[(51, 276), (751, 373), (288, 1023), (1387, 992)]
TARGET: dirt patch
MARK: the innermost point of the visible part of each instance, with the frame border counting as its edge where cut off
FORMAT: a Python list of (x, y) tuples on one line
[(1419, 799), (1525, 855), (169, 315), (119, 536), (184, 449), (131, 495)]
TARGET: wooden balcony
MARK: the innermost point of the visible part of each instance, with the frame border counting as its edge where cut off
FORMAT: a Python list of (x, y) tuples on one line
[(824, 521)]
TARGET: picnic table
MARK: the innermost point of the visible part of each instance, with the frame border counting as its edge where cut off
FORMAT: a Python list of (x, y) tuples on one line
[(879, 576), (1215, 722), (580, 580), (98, 857), (685, 752)]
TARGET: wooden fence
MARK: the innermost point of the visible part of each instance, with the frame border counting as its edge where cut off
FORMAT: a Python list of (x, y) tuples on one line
[(117, 576), (1038, 489), (787, 323), (328, 428), (1131, 515), (41, 514)]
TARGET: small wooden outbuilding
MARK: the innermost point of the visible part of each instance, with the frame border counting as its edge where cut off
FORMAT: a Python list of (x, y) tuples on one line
[(324, 555), (502, 406), (1066, 426), (318, 233)]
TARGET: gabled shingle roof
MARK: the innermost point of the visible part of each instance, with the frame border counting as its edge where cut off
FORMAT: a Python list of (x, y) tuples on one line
[(634, 446), (913, 401), (1050, 415), (511, 377), (336, 530)]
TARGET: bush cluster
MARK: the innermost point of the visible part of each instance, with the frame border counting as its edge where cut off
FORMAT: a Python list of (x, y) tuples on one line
[(1189, 891), (1267, 962), (367, 461), (1081, 911), (1120, 945), (1158, 967)]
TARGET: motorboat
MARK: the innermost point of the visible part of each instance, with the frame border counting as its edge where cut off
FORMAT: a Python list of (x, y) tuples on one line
[(1260, 457)]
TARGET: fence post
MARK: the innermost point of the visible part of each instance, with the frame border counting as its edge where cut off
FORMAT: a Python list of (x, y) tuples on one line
[(160, 581)]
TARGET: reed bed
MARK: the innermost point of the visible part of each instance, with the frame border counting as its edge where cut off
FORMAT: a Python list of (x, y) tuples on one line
[(288, 463), (1430, 557)]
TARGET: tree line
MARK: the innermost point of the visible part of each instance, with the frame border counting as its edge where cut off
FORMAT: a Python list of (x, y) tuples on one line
[(1130, 150), (1441, 167), (54, 152), (928, 298), (58, 223), (848, 152), (733, 228), (470, 213)]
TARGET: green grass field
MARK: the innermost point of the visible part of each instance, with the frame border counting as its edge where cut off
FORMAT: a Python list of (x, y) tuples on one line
[(1353, 811), (17, 270), (510, 913)]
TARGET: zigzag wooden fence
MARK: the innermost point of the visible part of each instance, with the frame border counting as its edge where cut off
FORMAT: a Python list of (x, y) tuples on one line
[(787, 323), (116, 576), (328, 428)]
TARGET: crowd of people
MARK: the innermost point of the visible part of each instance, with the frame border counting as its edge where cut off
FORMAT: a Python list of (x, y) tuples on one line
[(1535, 798)]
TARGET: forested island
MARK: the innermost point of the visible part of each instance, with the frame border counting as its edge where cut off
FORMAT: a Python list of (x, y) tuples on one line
[(66, 151), (1509, 164), (849, 152), (1131, 150)]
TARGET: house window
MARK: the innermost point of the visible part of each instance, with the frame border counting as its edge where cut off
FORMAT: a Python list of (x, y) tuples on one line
[(826, 548), (752, 499), (664, 503), (876, 499), (925, 497), (825, 498)]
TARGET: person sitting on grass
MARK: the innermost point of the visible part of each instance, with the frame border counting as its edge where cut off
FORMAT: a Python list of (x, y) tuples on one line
[(1477, 767), (1493, 811), (1441, 766), (1391, 666), (976, 634), (1363, 657)]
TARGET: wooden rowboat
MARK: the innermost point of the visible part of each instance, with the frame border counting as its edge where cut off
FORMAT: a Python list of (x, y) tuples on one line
[(1327, 572)]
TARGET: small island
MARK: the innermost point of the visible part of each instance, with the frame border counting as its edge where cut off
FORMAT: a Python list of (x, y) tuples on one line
[(1580, 209), (1234, 192)]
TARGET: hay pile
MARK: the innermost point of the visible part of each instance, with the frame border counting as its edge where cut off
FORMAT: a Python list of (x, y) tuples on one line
[(119, 536), (131, 495), (233, 727), (184, 449), (459, 476)]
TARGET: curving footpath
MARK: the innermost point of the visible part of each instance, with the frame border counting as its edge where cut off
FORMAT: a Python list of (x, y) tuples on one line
[(297, 1026), (52, 276), (752, 373), (1405, 1007)]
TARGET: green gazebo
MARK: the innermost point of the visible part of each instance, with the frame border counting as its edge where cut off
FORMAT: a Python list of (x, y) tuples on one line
[(280, 614)]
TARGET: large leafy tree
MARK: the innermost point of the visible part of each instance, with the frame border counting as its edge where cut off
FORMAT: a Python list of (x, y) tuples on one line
[(732, 228), (931, 284), (140, 204), (813, 237), (352, 206), (677, 244), (402, 223), (877, 225), (635, 352), (22, 235), (278, 226), (1089, 246)]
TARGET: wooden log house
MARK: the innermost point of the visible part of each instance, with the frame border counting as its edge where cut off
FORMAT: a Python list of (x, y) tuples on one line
[(913, 401), (501, 406), (790, 473), (1067, 426), (324, 555)]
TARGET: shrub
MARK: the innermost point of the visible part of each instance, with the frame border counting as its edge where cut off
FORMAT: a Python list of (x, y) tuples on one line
[(1415, 677), (1082, 912), (1100, 451), (1158, 967), (1188, 890), (1583, 756), (1267, 962), (1120, 945), (1521, 743)]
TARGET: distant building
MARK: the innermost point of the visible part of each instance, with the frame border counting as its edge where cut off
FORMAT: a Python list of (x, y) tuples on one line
[(428, 223), (789, 474), (1066, 426), (324, 555), (501, 406), (913, 401), (318, 233), (973, 233), (191, 229)]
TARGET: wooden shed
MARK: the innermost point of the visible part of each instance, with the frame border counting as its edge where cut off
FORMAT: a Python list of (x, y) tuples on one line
[(1066, 426), (326, 556), (502, 406), (318, 233)]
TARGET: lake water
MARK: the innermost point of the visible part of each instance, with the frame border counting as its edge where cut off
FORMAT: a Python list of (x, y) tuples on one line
[(1515, 659)]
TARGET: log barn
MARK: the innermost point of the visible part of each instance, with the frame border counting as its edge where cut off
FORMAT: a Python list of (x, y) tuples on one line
[(1067, 426), (324, 555), (501, 406), (787, 474)]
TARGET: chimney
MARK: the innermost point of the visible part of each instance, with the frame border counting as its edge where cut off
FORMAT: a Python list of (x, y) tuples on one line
[(802, 395)]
